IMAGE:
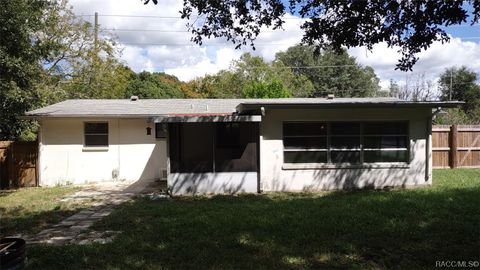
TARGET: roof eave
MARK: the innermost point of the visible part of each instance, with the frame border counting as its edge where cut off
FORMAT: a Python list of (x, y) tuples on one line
[(41, 116), (33, 116), (245, 107)]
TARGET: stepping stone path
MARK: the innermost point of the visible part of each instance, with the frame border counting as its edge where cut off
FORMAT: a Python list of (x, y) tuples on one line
[(74, 229)]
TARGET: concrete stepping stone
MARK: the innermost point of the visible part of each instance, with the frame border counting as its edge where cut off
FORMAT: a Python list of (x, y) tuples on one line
[(74, 229)]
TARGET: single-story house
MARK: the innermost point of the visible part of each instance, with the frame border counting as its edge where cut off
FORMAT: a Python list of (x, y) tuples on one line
[(239, 145)]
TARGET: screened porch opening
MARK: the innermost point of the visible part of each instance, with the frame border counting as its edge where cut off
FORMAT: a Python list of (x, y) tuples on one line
[(213, 147)]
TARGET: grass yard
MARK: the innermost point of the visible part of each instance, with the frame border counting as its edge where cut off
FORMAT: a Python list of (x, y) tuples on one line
[(400, 229), (28, 210)]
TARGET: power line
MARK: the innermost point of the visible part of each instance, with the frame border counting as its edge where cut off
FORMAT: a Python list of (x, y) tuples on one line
[(267, 67), (181, 31), (145, 30), (196, 17), (193, 17), (292, 67), (211, 44), (129, 16), (263, 31), (208, 44), (162, 17), (203, 45)]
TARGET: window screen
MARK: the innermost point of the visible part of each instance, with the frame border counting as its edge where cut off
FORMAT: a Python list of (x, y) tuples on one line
[(305, 142), (236, 147), (228, 135), (345, 142), (96, 134), (386, 142), (196, 147), (213, 147)]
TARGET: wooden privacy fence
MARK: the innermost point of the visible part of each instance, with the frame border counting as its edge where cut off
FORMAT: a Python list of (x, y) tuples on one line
[(456, 146), (18, 164)]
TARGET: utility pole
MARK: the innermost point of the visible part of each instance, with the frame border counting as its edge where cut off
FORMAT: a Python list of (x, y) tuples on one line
[(451, 85), (95, 49), (95, 31)]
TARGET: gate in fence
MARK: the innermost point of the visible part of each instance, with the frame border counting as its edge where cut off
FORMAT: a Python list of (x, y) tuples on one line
[(18, 164)]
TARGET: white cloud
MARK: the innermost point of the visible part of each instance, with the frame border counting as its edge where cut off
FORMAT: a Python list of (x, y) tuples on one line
[(201, 66), (432, 62), (149, 50), (143, 49), (136, 58)]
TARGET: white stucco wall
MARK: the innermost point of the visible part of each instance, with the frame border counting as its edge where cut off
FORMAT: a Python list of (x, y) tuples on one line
[(64, 159), (276, 177), (137, 156), (205, 183)]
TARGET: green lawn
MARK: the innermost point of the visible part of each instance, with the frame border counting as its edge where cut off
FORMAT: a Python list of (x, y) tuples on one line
[(400, 229), (28, 210)]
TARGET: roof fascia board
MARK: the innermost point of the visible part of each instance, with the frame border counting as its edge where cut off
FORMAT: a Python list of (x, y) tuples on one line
[(242, 107), (40, 116)]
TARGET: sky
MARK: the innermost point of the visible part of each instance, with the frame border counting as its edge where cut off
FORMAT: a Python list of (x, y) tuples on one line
[(154, 38)]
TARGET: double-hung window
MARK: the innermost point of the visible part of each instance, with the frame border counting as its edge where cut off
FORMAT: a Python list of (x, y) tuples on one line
[(96, 134), (345, 142)]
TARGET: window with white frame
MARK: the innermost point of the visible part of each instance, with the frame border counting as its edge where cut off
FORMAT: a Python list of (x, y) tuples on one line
[(345, 142), (96, 134)]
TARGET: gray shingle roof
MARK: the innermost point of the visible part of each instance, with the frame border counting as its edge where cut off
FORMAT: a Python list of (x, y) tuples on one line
[(157, 107)]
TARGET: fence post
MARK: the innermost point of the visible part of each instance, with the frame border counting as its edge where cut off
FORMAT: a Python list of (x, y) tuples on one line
[(453, 146), (10, 171)]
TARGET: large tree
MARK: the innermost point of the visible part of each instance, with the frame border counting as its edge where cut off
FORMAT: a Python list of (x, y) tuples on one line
[(46, 55), (154, 85), (331, 72), (461, 84), (272, 89), (21, 49), (251, 72), (410, 25), (251, 68), (81, 63)]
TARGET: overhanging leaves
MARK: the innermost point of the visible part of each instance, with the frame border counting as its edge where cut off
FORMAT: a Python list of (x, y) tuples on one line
[(412, 26)]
